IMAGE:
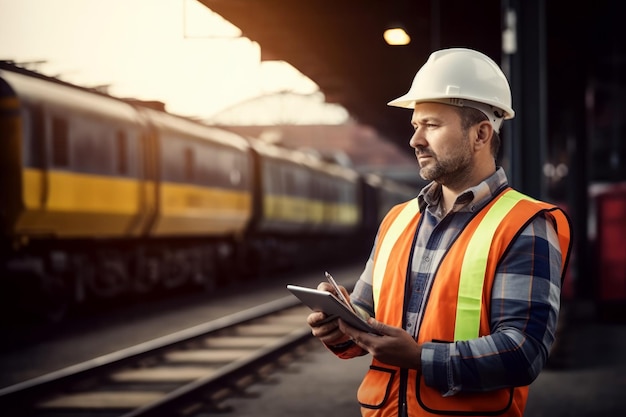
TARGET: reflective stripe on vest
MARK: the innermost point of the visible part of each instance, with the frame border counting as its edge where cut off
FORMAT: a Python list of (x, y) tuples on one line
[(474, 264), (395, 230)]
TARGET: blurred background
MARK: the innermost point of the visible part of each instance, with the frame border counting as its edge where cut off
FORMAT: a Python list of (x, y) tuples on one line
[(317, 76), (154, 148)]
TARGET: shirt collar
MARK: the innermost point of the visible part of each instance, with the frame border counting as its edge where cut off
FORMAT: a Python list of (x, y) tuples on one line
[(470, 199)]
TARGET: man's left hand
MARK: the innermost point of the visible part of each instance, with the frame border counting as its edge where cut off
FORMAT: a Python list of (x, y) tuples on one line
[(394, 347)]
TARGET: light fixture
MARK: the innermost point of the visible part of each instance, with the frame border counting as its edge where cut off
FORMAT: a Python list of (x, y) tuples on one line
[(396, 36)]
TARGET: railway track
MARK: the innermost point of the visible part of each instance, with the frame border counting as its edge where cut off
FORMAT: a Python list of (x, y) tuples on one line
[(186, 373)]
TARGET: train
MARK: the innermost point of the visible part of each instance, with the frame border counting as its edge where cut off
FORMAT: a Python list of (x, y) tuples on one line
[(103, 197)]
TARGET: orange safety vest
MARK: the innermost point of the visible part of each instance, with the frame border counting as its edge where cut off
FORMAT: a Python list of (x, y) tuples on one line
[(458, 305)]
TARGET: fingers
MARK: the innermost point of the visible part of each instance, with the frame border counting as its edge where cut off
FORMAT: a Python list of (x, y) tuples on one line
[(325, 286), (321, 323), (345, 292), (361, 339), (365, 340), (381, 328), (316, 319), (326, 331), (323, 327), (385, 329), (351, 332)]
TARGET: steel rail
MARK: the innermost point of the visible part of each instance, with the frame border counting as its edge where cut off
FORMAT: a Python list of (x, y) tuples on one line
[(15, 397)]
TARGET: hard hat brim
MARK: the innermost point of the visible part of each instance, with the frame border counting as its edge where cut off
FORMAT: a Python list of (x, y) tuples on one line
[(407, 102)]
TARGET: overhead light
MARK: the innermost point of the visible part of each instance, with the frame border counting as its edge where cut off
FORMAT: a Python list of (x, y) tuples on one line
[(396, 36)]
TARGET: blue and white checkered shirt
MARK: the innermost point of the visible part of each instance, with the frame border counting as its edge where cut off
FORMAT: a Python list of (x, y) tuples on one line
[(525, 297)]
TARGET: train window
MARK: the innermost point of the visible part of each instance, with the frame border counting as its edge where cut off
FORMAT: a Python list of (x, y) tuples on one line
[(235, 177), (190, 162), (239, 171), (231, 166), (332, 193), (33, 133), (169, 149), (132, 161), (226, 165), (92, 146), (316, 187), (221, 167), (302, 181), (122, 152), (290, 182), (190, 165), (27, 136), (279, 181), (205, 166), (347, 193), (271, 177), (60, 142)]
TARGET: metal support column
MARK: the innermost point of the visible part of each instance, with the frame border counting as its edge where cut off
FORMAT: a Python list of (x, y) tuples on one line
[(524, 62)]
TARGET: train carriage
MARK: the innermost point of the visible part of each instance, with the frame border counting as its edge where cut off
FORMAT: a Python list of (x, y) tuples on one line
[(379, 194), (284, 190), (105, 198), (304, 205), (299, 192), (341, 194), (77, 158), (72, 171), (203, 200), (203, 176)]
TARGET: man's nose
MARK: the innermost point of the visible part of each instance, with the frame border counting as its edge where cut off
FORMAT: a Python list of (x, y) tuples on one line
[(417, 139)]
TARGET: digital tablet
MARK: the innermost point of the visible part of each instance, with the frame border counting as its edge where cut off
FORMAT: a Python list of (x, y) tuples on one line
[(326, 302)]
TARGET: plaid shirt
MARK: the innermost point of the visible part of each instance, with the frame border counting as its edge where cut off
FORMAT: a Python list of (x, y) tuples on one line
[(524, 305)]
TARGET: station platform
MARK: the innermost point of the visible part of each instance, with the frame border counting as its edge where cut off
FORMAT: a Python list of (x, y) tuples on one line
[(587, 377)]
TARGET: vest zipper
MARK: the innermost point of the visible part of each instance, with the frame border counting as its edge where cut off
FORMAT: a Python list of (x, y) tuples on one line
[(404, 373), (402, 402)]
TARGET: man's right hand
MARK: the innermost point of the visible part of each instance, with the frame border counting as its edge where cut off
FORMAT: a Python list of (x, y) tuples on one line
[(326, 331)]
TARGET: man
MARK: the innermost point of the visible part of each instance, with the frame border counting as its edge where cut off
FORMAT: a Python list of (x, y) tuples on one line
[(464, 281)]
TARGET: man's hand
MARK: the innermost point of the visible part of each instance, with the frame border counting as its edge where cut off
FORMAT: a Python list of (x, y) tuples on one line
[(395, 347), (328, 332)]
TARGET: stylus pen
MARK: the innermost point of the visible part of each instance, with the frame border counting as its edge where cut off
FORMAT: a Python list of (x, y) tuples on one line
[(339, 293)]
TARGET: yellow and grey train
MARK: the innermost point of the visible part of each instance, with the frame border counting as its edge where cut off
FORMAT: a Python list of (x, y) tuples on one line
[(102, 197)]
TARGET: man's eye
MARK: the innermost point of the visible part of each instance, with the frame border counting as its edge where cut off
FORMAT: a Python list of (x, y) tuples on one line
[(426, 125)]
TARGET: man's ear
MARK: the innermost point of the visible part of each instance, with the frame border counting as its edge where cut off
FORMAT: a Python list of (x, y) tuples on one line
[(483, 134)]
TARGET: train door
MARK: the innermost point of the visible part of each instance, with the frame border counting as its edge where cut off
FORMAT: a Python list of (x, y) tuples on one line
[(36, 164), (23, 157), (149, 176)]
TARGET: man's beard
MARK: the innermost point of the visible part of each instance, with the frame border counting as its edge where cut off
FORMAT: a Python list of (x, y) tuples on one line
[(449, 170)]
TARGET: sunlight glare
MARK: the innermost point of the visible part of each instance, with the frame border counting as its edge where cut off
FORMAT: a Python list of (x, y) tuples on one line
[(175, 51)]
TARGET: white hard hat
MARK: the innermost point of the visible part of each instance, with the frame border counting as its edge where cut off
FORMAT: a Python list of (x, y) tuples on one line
[(461, 77)]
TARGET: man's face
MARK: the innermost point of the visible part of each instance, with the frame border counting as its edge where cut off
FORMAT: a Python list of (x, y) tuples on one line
[(442, 149)]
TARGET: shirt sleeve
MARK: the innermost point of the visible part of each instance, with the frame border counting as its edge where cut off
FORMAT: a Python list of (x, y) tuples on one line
[(524, 313), (362, 300)]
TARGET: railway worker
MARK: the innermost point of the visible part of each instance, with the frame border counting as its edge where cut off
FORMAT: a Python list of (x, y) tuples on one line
[(463, 281)]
